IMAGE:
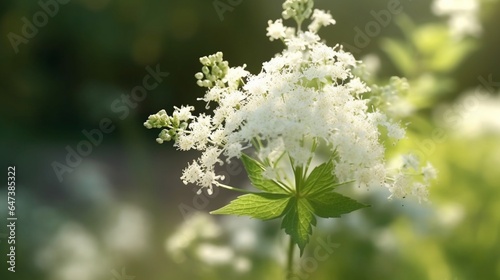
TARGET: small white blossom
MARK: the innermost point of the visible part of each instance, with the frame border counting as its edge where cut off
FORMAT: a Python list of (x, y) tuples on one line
[(192, 173), (402, 186), (420, 191), (357, 87), (429, 172), (276, 30), (210, 157), (234, 150), (183, 113), (235, 75), (320, 18)]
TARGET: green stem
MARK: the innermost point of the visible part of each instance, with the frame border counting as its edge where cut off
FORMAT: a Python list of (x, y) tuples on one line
[(289, 265), (313, 150), (284, 187), (233, 188), (298, 178)]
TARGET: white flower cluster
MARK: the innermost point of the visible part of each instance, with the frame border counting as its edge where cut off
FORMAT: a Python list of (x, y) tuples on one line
[(303, 96), (463, 16), (404, 183), (277, 31)]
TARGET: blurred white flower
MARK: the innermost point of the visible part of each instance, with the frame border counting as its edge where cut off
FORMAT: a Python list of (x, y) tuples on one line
[(199, 226), (371, 63), (450, 215), (214, 255), (411, 161), (243, 232), (128, 231), (475, 114), (463, 16), (242, 264), (385, 239), (404, 182), (429, 172), (200, 239), (73, 253)]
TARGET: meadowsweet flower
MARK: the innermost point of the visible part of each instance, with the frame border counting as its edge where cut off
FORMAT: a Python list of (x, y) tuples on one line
[(183, 114), (276, 30), (320, 18), (297, 9), (305, 95)]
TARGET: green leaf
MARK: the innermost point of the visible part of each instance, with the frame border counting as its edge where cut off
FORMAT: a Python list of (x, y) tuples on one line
[(401, 55), (448, 57), (332, 205), (430, 37), (321, 178), (255, 170), (262, 206), (298, 222), (299, 210)]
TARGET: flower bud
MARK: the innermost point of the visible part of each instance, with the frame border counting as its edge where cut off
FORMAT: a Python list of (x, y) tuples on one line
[(199, 75), (207, 83), (205, 60), (205, 70), (216, 71)]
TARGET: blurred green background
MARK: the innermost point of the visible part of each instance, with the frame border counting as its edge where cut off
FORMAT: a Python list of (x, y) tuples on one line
[(122, 210)]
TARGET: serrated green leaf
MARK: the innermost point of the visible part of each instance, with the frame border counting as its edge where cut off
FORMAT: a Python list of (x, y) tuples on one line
[(262, 206), (255, 170), (332, 205), (320, 178), (298, 222)]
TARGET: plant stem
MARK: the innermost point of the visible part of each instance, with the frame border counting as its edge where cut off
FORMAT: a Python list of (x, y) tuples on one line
[(298, 172), (289, 268), (233, 188)]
